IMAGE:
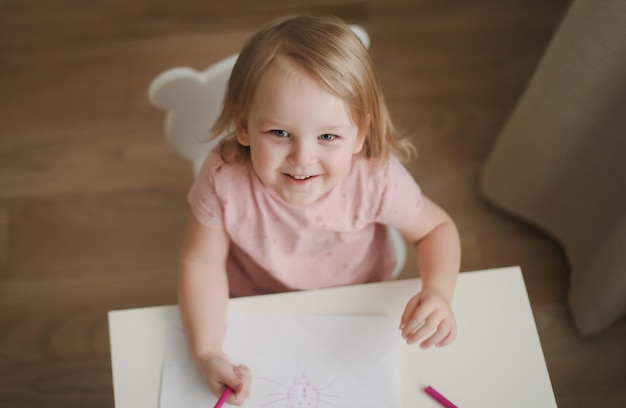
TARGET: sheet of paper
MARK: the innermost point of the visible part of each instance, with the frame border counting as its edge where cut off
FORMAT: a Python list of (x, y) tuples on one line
[(296, 361)]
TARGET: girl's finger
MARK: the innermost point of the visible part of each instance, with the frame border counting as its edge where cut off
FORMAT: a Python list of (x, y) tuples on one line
[(420, 317), (246, 378), (448, 339), (409, 310), (442, 332), (428, 326)]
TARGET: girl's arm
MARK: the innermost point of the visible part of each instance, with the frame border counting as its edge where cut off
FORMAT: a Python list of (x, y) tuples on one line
[(202, 299), (428, 315)]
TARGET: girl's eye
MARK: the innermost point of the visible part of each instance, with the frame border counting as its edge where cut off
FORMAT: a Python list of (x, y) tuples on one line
[(328, 137), (280, 133)]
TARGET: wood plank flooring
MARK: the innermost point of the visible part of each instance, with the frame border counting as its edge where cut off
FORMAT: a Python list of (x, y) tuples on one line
[(92, 200)]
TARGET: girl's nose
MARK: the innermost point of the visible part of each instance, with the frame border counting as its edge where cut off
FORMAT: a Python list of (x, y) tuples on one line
[(302, 153)]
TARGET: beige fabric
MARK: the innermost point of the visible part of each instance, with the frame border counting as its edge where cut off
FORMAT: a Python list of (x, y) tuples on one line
[(560, 161)]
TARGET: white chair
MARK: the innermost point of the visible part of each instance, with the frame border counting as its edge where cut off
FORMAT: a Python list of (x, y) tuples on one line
[(193, 100)]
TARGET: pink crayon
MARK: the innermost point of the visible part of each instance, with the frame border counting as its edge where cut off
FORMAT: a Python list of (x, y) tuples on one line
[(439, 398), (225, 394)]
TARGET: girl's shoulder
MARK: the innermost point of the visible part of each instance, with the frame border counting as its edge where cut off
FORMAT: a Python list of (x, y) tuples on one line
[(217, 166), (374, 171), (390, 179), (227, 179)]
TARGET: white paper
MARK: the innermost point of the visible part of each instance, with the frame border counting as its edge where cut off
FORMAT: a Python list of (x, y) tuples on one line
[(296, 361)]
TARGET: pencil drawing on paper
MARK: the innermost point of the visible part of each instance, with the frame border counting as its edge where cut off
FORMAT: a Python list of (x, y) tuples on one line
[(300, 393)]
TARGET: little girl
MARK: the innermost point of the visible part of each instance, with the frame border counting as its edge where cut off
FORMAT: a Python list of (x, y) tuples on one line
[(302, 191)]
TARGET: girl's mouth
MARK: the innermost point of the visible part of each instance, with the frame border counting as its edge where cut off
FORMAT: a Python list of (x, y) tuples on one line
[(299, 179)]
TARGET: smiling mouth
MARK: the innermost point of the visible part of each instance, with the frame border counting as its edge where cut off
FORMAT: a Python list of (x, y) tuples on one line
[(298, 177)]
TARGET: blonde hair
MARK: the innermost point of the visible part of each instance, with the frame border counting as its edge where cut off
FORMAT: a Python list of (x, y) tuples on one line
[(328, 50)]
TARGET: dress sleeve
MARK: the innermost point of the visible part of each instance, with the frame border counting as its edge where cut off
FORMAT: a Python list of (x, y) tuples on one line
[(206, 205), (400, 197)]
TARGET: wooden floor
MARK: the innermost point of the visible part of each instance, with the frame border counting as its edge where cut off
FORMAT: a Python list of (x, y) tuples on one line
[(92, 200)]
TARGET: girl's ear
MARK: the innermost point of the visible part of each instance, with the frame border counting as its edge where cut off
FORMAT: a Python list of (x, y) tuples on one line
[(362, 135), (242, 132)]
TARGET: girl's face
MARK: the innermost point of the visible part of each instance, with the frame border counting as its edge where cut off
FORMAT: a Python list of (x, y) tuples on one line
[(301, 136)]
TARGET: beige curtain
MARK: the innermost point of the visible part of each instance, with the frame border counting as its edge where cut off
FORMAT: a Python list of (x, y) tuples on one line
[(560, 161)]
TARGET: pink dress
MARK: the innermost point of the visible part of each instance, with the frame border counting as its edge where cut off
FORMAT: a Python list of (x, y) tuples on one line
[(341, 239)]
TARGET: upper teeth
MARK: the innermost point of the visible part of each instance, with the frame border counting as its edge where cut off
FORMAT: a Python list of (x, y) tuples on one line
[(301, 177)]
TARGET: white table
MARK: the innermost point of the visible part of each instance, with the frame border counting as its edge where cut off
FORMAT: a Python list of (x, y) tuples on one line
[(495, 361)]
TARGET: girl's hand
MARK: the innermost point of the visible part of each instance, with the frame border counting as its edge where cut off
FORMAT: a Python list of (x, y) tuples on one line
[(428, 317), (218, 373)]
